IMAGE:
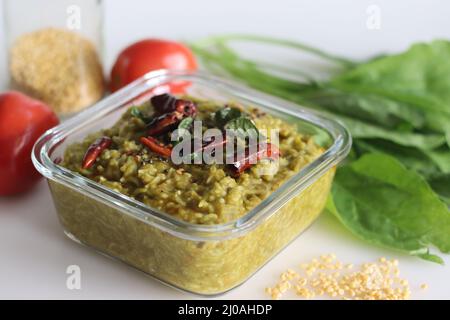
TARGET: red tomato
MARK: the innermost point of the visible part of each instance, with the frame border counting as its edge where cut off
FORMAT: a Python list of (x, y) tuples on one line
[(22, 121), (148, 55)]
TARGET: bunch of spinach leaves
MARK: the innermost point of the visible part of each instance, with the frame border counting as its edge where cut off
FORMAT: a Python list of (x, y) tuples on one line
[(394, 190)]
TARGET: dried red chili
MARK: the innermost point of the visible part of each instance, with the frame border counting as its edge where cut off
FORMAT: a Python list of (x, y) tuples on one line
[(95, 150), (264, 151), (163, 103), (171, 111), (156, 146), (186, 107), (166, 103), (164, 123)]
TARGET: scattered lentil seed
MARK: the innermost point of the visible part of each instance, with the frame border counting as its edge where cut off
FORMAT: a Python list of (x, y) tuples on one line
[(371, 281)]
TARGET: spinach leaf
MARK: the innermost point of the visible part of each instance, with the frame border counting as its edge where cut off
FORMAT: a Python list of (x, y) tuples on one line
[(368, 107), (364, 130), (381, 201), (433, 165), (360, 128), (441, 184), (421, 72), (418, 160), (441, 157), (222, 116)]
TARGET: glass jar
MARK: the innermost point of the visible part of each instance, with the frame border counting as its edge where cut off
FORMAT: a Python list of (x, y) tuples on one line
[(54, 51)]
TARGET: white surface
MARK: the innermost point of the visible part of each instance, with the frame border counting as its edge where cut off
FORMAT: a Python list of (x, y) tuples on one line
[(35, 253)]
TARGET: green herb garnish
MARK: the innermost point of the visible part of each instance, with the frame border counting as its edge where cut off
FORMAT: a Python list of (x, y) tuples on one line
[(135, 112), (186, 123), (222, 116), (183, 128), (243, 126), (234, 119)]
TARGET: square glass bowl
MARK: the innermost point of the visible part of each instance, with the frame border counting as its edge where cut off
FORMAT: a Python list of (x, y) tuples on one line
[(203, 259)]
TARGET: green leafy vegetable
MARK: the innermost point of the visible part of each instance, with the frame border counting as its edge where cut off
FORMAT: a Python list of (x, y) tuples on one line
[(136, 112), (396, 106), (418, 76), (440, 183), (372, 108), (230, 118), (380, 200), (244, 127), (183, 129), (222, 116), (186, 123)]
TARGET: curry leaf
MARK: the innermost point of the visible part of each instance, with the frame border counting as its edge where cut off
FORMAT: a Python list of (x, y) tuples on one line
[(183, 129), (135, 112), (244, 126), (222, 116), (186, 123)]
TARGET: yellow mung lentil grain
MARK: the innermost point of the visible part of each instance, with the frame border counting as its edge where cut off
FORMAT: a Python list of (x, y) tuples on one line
[(59, 67), (371, 281)]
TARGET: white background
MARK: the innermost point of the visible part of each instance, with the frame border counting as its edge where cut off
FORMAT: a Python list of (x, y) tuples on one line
[(34, 253)]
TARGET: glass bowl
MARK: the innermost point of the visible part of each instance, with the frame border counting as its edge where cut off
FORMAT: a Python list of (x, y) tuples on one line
[(203, 259)]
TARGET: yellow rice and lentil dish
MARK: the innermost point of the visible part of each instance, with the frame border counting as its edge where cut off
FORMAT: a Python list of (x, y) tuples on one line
[(196, 193), (202, 194)]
